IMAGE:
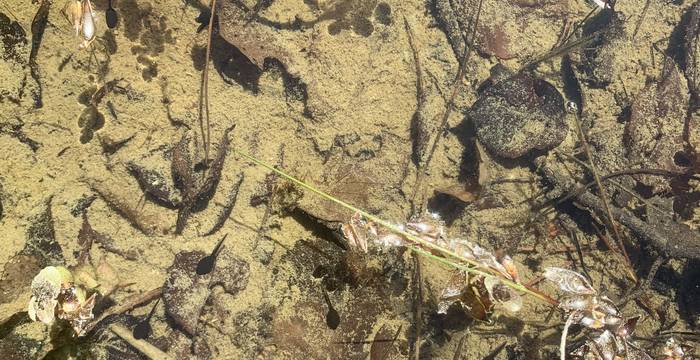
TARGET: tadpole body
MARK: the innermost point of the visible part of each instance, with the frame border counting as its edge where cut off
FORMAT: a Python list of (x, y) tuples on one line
[(143, 329), (206, 265), (332, 317), (112, 19)]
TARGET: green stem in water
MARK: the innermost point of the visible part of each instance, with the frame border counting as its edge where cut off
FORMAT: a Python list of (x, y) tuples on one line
[(475, 268)]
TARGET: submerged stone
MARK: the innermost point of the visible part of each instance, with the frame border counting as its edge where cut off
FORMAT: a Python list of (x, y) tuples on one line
[(519, 114)]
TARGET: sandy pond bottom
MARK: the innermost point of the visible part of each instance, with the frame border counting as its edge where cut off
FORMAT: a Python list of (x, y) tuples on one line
[(328, 91)]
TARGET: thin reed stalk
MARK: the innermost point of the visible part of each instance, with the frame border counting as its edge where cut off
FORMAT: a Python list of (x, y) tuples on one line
[(461, 72), (603, 195), (204, 91), (472, 267)]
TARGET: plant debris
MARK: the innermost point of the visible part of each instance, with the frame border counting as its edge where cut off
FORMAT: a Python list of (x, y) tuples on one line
[(195, 191), (654, 134)]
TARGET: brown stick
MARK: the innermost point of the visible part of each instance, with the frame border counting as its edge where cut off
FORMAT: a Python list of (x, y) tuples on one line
[(665, 235), (128, 304), (204, 89), (603, 194), (450, 104)]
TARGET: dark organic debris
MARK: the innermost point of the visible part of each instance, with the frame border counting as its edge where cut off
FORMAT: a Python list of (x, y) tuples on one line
[(155, 185), (16, 277), (40, 250), (91, 119), (421, 127), (598, 58), (195, 191), (203, 19), (185, 292), (82, 204), (451, 16), (87, 236), (41, 19), (13, 38), (689, 292), (689, 60), (180, 346), (15, 130), (518, 114), (654, 133), (227, 208), (663, 233), (41, 239)]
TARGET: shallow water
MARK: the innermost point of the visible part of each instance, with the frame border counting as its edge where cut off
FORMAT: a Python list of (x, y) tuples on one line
[(328, 91)]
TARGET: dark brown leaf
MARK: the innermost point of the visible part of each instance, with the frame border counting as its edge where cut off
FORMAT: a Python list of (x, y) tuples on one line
[(181, 168), (155, 185)]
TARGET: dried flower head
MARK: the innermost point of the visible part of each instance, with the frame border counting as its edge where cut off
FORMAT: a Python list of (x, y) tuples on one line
[(462, 289), (46, 287), (583, 305), (55, 295)]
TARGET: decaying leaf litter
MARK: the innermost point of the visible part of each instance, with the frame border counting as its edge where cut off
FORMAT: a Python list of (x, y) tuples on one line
[(327, 90)]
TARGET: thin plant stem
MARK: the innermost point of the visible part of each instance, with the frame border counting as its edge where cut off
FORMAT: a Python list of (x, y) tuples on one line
[(450, 103), (562, 342), (204, 90), (603, 194), (473, 268)]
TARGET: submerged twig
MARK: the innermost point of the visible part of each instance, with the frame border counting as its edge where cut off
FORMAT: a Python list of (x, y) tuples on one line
[(143, 346), (204, 90), (603, 195), (450, 103), (665, 235), (41, 19), (419, 130), (227, 208), (418, 303), (641, 19), (128, 304)]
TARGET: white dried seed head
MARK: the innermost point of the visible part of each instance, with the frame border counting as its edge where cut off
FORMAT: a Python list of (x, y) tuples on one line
[(46, 288), (569, 281), (88, 21)]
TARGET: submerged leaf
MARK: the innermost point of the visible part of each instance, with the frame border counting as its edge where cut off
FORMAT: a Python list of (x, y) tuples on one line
[(181, 167)]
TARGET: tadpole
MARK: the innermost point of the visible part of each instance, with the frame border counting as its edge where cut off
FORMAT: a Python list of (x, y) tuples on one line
[(203, 19), (111, 16), (143, 329), (332, 317), (206, 265)]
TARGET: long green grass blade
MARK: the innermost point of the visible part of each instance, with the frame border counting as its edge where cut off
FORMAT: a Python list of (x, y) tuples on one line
[(474, 268)]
